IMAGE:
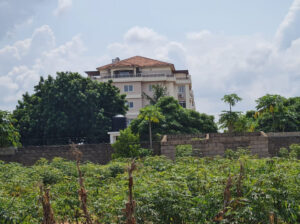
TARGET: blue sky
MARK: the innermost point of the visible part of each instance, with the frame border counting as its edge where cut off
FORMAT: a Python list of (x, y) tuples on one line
[(247, 47)]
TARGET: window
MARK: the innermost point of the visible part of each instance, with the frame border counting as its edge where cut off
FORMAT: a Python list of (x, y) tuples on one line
[(129, 104), (181, 89), (182, 103), (128, 88)]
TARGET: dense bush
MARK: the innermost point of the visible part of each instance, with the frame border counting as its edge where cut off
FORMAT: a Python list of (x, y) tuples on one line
[(231, 154), (9, 135), (190, 190), (184, 150), (283, 152), (295, 151), (128, 145)]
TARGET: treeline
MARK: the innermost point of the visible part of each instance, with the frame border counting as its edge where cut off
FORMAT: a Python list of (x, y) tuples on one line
[(67, 108), (71, 108), (273, 113)]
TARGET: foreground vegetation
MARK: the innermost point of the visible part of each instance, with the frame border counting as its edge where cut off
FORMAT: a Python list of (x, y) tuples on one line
[(189, 190)]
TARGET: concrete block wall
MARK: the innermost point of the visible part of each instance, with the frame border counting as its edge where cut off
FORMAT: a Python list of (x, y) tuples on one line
[(282, 140), (217, 144), (97, 153), (155, 147), (259, 143)]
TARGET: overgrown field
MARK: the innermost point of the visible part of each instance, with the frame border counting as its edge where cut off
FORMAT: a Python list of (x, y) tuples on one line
[(190, 190)]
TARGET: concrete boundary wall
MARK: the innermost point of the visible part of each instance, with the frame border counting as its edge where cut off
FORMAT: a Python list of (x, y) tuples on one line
[(259, 143), (96, 153), (282, 140)]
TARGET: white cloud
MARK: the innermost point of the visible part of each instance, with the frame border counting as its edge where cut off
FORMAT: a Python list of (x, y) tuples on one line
[(22, 63), (199, 35), (220, 64), (62, 7), (25, 51), (145, 41), (66, 57), (142, 35), (288, 30)]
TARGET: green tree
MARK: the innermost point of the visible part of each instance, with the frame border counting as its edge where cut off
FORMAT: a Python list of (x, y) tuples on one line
[(269, 105), (158, 92), (293, 105), (231, 99), (68, 108), (228, 118), (267, 102), (128, 145), (242, 124), (9, 135), (276, 113), (245, 122), (151, 114), (177, 120)]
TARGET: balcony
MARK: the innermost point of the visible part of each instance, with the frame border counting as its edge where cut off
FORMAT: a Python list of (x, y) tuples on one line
[(157, 75), (137, 75)]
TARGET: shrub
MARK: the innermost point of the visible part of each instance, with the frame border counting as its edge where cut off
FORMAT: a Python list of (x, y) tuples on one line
[(145, 152), (115, 170), (9, 135), (184, 150), (230, 154), (295, 151), (283, 152), (188, 190), (128, 146)]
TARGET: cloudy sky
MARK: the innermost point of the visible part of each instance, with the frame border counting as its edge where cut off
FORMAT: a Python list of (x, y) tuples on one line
[(247, 47)]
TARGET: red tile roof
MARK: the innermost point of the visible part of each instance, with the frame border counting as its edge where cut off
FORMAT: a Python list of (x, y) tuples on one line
[(137, 61)]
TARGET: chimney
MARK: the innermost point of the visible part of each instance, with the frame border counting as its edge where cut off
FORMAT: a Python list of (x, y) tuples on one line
[(116, 60)]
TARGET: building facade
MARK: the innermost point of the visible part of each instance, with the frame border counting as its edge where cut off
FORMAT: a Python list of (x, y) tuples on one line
[(137, 75)]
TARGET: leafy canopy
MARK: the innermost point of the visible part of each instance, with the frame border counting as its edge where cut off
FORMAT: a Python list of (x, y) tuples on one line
[(128, 145), (231, 99), (276, 113), (151, 113), (269, 102), (68, 108), (175, 120), (9, 135)]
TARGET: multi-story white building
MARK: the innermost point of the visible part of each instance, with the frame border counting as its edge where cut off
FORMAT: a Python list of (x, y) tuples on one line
[(136, 75)]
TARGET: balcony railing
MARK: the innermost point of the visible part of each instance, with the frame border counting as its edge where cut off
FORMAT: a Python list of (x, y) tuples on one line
[(137, 75), (157, 75)]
